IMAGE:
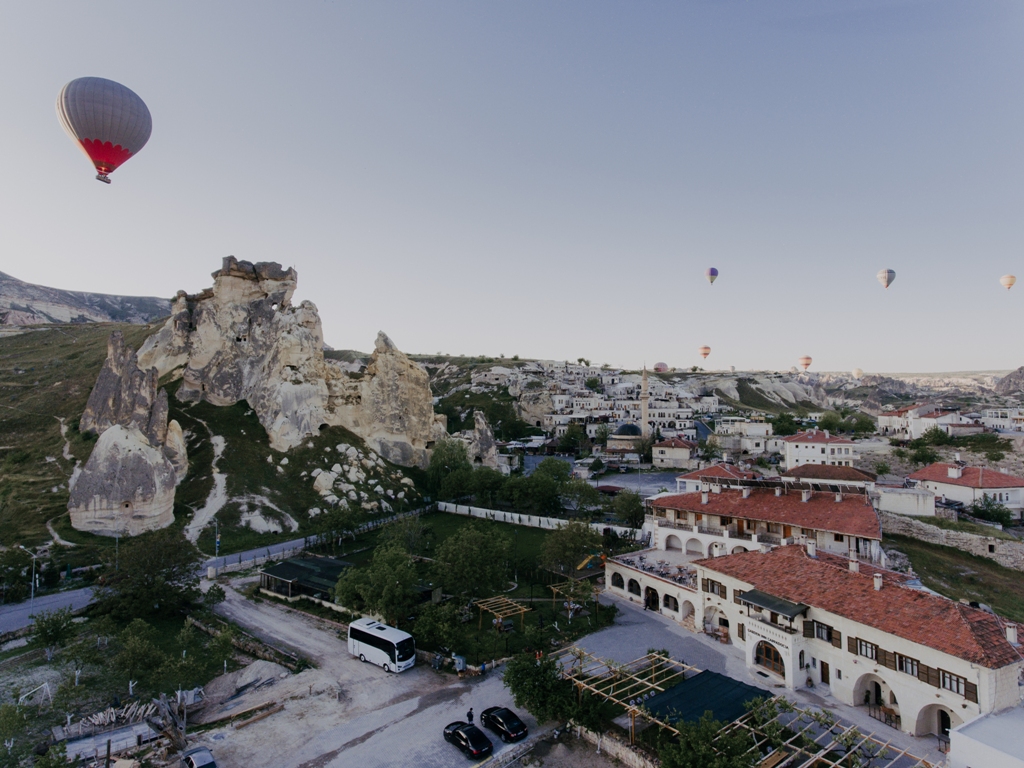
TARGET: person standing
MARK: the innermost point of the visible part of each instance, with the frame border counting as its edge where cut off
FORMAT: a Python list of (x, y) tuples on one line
[(469, 716)]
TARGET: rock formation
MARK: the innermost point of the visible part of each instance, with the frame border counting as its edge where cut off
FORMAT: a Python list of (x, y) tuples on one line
[(127, 485), (482, 447), (244, 340), (23, 303), (1011, 383)]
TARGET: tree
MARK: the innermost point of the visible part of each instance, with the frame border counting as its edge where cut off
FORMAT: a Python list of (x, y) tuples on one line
[(704, 745), (601, 434), (410, 533), (53, 629), (565, 548), (158, 572), (537, 686), (441, 625), (556, 469), (573, 440), (936, 436), (473, 561), (486, 485), (387, 587), (784, 424), (991, 510), (863, 424), (446, 457), (923, 455), (710, 448), (593, 383), (832, 422), (643, 445), (138, 657), (628, 506), (15, 565), (882, 468), (56, 757), (580, 496), (336, 523)]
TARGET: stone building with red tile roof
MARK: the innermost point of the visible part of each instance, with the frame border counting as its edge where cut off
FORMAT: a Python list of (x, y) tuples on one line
[(914, 659), (819, 447), (691, 481), (674, 453), (958, 482)]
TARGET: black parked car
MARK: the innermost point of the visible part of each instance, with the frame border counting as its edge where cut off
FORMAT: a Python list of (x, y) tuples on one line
[(468, 738), (504, 722)]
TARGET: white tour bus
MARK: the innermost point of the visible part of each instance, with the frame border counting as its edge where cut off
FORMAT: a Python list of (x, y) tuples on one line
[(385, 646)]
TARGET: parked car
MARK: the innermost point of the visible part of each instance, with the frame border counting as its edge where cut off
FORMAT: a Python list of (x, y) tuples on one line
[(504, 722), (198, 757), (470, 739)]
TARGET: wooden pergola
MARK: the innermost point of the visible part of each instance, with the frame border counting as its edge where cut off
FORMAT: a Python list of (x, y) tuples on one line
[(572, 590), (502, 608)]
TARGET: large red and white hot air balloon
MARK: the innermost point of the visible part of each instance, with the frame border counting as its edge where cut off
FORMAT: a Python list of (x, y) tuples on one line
[(704, 351), (805, 362), (109, 121)]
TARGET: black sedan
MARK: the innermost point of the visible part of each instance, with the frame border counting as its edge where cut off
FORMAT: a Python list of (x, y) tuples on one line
[(468, 738), (504, 722)]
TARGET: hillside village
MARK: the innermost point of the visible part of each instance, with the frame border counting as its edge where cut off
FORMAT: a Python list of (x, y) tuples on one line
[(847, 549)]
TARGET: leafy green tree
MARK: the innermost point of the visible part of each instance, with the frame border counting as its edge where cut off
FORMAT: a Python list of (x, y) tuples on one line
[(410, 533), (446, 457), (628, 506), (991, 510), (387, 587), (56, 757), (601, 434), (784, 424), (53, 629), (441, 626), (580, 496), (924, 455), (214, 596), (335, 524), (158, 572), (936, 436), (593, 383), (15, 565), (705, 744), (457, 484), (538, 687), (486, 486), (596, 466), (565, 548), (643, 446), (710, 448), (138, 657), (574, 439), (831, 421), (556, 469), (12, 723), (863, 424), (473, 561), (882, 468)]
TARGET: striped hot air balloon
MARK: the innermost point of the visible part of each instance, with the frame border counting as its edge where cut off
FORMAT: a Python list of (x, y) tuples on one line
[(1007, 281), (109, 121), (857, 373), (885, 277), (805, 362), (704, 351), (711, 274)]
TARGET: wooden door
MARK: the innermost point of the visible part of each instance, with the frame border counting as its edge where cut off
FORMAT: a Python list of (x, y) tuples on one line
[(825, 679), (787, 531)]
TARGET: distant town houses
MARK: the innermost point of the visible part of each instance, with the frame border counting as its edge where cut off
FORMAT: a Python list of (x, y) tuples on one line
[(693, 482), (742, 435), (674, 453), (967, 485), (819, 447), (913, 421), (1003, 419)]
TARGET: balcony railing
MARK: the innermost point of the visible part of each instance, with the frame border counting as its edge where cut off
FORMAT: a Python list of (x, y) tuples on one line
[(709, 531), (885, 715)]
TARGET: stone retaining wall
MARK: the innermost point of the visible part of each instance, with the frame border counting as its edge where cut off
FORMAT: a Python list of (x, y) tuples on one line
[(531, 521), (619, 750), (1003, 551)]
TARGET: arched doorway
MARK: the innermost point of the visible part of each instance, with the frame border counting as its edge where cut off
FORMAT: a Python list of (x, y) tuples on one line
[(670, 603), (673, 543), (634, 587), (617, 581), (686, 609), (713, 619), (694, 547), (936, 719), (738, 550), (767, 655), (651, 599), (872, 690)]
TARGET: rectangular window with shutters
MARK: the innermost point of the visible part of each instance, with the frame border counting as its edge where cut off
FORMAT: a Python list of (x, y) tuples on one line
[(741, 632), (823, 632), (736, 595), (906, 664), (952, 682), (866, 649)]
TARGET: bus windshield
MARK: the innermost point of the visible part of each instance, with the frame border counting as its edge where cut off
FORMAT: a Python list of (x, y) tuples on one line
[(406, 649)]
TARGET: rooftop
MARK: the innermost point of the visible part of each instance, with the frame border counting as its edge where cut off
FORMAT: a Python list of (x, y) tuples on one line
[(675, 442), (830, 472), (818, 437), (724, 471), (853, 516), (317, 573), (972, 477), (825, 582)]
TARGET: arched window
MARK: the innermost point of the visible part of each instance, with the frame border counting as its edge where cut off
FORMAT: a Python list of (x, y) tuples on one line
[(670, 602), (768, 656), (617, 581), (634, 587)]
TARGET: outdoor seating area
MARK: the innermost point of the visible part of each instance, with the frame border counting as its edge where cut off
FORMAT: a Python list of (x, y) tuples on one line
[(670, 566)]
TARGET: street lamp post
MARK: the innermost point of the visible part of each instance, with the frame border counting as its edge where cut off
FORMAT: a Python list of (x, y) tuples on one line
[(32, 598), (216, 544)]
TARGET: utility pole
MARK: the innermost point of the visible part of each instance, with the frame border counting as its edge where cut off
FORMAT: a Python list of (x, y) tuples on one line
[(32, 599)]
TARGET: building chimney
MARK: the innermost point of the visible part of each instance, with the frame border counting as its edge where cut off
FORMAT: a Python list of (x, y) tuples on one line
[(716, 489), (878, 582), (704, 497), (955, 471), (1011, 634), (839, 497), (854, 564), (746, 493), (812, 548), (956, 457), (778, 490), (805, 496), (826, 434)]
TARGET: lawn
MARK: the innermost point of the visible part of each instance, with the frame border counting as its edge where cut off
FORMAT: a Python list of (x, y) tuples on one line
[(959, 575)]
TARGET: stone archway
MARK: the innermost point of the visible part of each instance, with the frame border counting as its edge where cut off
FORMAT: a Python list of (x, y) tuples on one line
[(651, 599), (871, 690), (767, 655), (673, 543), (694, 547), (738, 550), (617, 581), (634, 587), (937, 720)]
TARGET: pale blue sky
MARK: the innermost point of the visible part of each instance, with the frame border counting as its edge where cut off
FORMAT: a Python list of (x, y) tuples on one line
[(550, 179)]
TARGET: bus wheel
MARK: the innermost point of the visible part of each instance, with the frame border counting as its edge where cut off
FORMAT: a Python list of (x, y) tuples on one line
[(362, 658), (387, 668)]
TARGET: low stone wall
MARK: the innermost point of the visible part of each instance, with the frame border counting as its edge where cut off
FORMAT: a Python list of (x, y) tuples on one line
[(530, 521), (1003, 551), (619, 750)]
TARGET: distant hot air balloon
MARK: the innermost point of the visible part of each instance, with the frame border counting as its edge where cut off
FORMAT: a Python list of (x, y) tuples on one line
[(885, 277), (1007, 281), (857, 373), (704, 351), (711, 274), (109, 121), (660, 367), (805, 362)]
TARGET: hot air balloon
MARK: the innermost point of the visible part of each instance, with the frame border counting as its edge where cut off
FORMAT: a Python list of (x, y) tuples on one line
[(704, 351), (857, 373), (661, 367), (711, 274), (805, 362), (109, 121), (1007, 281), (885, 277)]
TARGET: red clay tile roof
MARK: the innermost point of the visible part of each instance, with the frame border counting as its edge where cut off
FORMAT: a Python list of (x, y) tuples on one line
[(902, 411), (853, 516), (829, 472), (815, 436), (826, 583), (973, 477), (726, 471), (675, 442)]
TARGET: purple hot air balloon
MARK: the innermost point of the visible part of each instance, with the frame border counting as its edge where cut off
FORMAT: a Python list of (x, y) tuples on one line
[(711, 274)]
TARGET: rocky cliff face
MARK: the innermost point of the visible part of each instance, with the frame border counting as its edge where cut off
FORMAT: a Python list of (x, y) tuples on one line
[(127, 485), (1011, 384), (23, 303), (245, 340)]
